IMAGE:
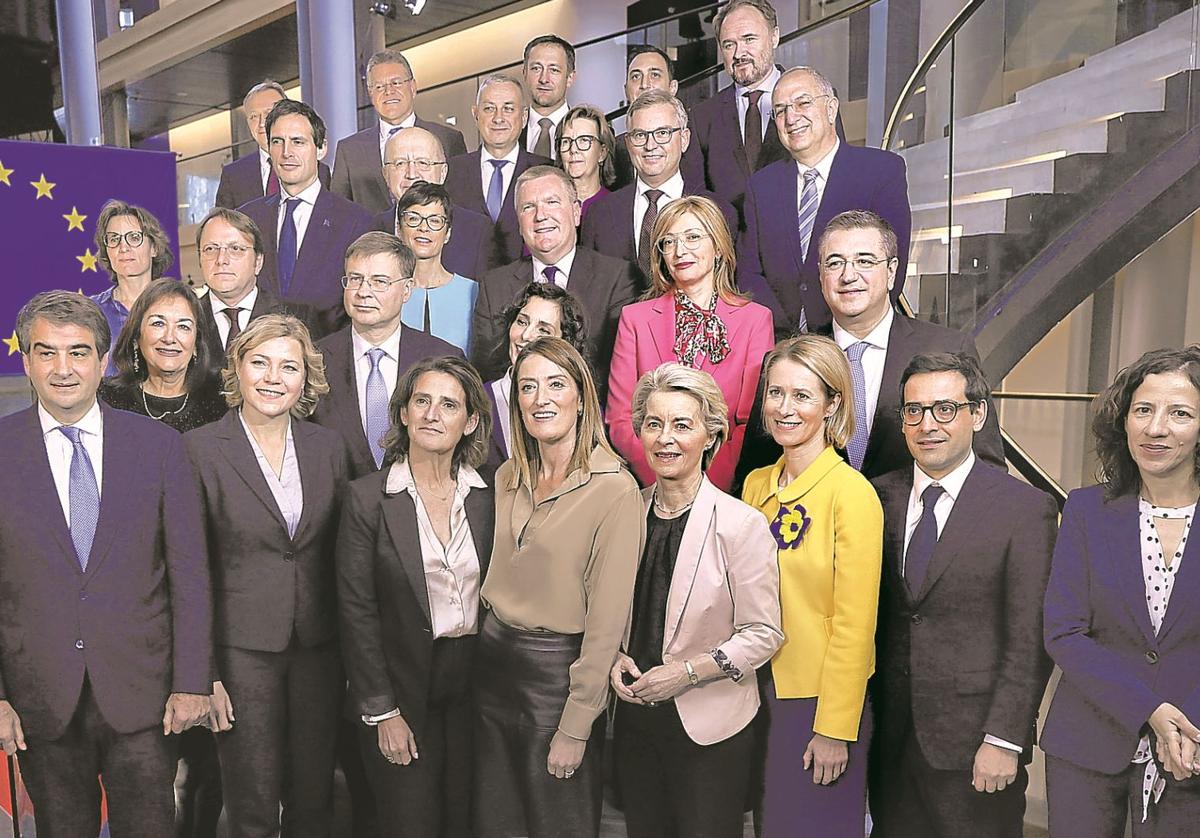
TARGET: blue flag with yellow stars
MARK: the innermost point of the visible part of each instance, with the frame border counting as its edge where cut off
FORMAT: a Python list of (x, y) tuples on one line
[(50, 197)]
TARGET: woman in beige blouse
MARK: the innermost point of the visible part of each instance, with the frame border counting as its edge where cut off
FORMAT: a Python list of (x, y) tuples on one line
[(569, 530)]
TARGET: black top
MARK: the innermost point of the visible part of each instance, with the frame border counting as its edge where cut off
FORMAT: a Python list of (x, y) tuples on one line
[(183, 413), (663, 537)]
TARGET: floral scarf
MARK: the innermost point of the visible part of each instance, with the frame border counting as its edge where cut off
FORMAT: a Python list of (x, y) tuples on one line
[(698, 330)]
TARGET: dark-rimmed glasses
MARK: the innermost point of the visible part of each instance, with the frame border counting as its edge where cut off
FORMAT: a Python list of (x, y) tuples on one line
[(661, 136), (583, 142), (943, 412), (414, 220), (133, 238)]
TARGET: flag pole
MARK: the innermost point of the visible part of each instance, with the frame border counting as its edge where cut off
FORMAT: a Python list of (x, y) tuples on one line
[(12, 796)]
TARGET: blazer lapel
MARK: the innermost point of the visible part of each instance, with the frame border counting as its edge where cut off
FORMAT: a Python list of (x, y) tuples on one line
[(732, 126), (888, 401), (480, 518), (1187, 585), (237, 451), (314, 479), (1124, 556), (38, 482), (895, 515), (351, 420), (662, 328), (691, 548), (791, 198), (970, 508), (317, 238), (121, 459), (400, 518)]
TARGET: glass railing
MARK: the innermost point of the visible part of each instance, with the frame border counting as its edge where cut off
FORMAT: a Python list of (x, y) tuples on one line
[(198, 176), (1046, 438)]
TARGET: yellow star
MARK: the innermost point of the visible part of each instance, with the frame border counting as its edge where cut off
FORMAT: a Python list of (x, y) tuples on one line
[(75, 220), (4, 173), (14, 346), (43, 187), (88, 260)]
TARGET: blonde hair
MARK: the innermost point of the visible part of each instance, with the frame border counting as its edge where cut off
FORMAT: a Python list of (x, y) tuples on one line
[(269, 327), (677, 378), (713, 223), (589, 427), (826, 360)]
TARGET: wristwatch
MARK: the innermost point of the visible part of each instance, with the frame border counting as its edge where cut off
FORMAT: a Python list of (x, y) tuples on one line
[(693, 678)]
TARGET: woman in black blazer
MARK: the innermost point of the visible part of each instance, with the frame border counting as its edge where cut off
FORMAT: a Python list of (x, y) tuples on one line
[(271, 489), (413, 547)]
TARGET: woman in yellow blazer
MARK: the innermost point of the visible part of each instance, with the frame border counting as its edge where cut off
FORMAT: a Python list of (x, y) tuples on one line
[(828, 524)]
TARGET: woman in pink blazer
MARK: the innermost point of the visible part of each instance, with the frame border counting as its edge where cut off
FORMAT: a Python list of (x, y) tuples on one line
[(695, 316)]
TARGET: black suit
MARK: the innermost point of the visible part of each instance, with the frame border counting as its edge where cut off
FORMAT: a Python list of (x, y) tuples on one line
[(275, 625), (960, 658), (602, 284), (241, 181), (358, 167), (464, 182), (265, 303), (393, 660), (339, 408), (471, 248)]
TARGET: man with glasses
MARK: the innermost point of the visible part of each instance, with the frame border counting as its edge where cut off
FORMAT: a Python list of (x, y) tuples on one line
[(364, 360), (622, 224), (649, 68), (357, 173), (960, 664), (789, 202)]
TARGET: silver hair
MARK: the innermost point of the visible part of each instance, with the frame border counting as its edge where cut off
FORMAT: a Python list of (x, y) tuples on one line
[(823, 83), (387, 56), (502, 78), (266, 84), (658, 97), (678, 378)]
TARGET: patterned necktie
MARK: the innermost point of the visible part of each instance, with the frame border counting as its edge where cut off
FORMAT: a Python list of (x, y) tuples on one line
[(548, 274), (923, 541), (752, 139), (287, 245), (272, 182), (542, 146), (377, 406), (495, 195), (807, 213), (234, 328), (83, 495), (644, 245), (856, 448)]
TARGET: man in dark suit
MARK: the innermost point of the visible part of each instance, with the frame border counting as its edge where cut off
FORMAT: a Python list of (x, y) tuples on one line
[(364, 360), (414, 154), (549, 211), (622, 224), (306, 228), (357, 167), (251, 175), (482, 180), (960, 667), (789, 202), (549, 72), (733, 130), (649, 68), (106, 641)]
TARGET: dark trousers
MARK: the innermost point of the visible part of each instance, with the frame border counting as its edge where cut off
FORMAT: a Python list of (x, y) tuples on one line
[(1087, 804), (521, 684), (280, 751), (673, 787), (912, 799), (431, 796), (199, 797), (137, 769)]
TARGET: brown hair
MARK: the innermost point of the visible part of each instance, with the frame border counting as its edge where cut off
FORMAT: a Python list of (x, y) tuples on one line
[(761, 6), (265, 328), (162, 259), (608, 166), (713, 223), (826, 360), (377, 243), (239, 221), (63, 308), (206, 359), (472, 449)]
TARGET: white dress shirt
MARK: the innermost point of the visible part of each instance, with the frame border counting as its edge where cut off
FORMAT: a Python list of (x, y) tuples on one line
[(672, 190), (246, 304), (301, 214), (389, 366), (872, 359), (286, 488), (59, 451), (767, 86), (506, 172), (823, 166), (564, 269), (952, 483), (535, 130), (500, 391), (386, 129), (264, 168)]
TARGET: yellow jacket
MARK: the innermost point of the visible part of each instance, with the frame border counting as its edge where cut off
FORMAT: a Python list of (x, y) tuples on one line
[(828, 584)]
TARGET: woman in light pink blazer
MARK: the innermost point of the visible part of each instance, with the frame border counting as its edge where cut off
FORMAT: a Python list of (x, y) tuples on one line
[(705, 616), (693, 315)]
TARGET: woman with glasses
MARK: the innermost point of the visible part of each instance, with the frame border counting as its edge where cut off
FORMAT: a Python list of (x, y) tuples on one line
[(134, 249), (695, 315), (586, 150), (442, 302)]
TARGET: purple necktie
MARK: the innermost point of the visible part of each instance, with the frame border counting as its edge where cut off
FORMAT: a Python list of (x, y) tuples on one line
[(924, 540), (548, 274), (287, 246)]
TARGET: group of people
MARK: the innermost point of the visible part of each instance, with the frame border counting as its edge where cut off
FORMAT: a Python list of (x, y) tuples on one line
[(489, 464)]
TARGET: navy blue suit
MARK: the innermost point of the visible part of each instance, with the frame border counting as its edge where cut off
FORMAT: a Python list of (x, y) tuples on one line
[(465, 185), (471, 249), (241, 181)]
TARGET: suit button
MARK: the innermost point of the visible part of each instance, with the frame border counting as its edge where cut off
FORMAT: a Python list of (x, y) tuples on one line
[(78, 644), (289, 556), (803, 286), (906, 671), (1152, 656), (83, 596), (917, 619)]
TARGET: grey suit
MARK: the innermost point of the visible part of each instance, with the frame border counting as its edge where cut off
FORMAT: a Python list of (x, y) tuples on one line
[(358, 167)]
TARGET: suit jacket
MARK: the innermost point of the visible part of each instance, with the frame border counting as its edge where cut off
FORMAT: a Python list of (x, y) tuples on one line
[(138, 622), (646, 339), (769, 259), (623, 165), (265, 303), (962, 657), (334, 224), (602, 284), (465, 185), (269, 586), (608, 226), (471, 248), (1116, 671), (358, 167), (387, 631), (533, 119), (241, 181), (724, 595), (339, 408)]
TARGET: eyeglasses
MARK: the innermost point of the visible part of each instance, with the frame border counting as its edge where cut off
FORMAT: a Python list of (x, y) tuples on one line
[(661, 136), (390, 84), (797, 105), (422, 166), (913, 413), (133, 238), (211, 252), (378, 284), (414, 220), (583, 142), (863, 264), (690, 241)]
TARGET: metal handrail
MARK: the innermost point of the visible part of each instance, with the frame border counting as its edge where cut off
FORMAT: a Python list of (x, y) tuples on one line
[(1028, 468), (1022, 395)]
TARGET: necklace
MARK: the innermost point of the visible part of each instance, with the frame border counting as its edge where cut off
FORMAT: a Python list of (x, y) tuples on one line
[(442, 497), (165, 413), (673, 513)]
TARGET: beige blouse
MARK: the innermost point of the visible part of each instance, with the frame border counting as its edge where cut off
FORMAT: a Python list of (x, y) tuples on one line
[(568, 565)]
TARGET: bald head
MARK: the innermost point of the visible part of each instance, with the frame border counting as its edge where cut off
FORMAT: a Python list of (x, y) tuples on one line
[(412, 154)]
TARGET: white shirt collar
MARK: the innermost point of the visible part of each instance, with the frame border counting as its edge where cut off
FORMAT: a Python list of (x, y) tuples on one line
[(386, 128), (877, 337), (91, 423), (767, 85), (952, 482), (824, 164), (555, 116), (246, 303), (672, 188), (390, 344), (400, 479), (564, 265), (511, 157), (308, 195)]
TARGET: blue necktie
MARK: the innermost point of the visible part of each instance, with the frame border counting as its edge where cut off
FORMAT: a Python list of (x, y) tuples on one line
[(495, 196), (857, 446), (807, 213), (923, 541), (287, 245), (83, 495), (377, 406)]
